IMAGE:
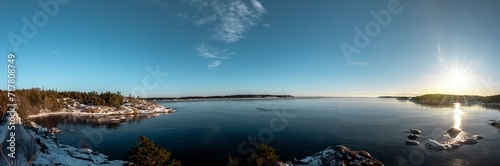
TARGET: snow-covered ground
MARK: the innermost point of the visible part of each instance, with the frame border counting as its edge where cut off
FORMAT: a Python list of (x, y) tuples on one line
[(49, 152), (3, 136), (142, 107)]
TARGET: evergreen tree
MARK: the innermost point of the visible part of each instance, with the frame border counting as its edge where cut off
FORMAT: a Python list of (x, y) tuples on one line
[(145, 153), (265, 156), (233, 161)]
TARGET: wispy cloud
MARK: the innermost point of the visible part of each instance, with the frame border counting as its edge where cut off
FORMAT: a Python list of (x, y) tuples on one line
[(214, 64), (231, 18), (208, 51), (227, 20), (258, 6), (205, 20), (266, 25)]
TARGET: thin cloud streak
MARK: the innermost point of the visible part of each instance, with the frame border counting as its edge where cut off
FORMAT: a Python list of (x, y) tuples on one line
[(208, 51), (214, 65)]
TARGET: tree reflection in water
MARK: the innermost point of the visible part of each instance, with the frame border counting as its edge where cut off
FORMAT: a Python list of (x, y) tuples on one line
[(95, 121)]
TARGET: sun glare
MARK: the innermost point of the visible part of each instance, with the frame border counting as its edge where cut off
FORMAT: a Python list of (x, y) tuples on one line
[(456, 80)]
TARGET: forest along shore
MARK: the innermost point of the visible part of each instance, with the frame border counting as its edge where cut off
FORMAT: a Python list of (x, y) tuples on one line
[(131, 107), (37, 102)]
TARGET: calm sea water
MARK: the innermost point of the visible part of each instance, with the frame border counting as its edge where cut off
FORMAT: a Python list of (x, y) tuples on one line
[(206, 132)]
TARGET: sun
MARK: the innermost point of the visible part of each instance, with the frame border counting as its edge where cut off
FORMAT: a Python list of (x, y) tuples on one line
[(457, 81), (457, 75)]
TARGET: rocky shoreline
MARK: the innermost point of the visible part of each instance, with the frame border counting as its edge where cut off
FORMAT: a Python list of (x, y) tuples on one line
[(51, 152), (54, 153)]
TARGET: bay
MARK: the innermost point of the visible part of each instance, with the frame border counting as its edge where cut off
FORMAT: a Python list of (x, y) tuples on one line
[(207, 131)]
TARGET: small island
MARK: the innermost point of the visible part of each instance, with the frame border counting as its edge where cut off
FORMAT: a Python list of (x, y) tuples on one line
[(397, 97), (448, 98)]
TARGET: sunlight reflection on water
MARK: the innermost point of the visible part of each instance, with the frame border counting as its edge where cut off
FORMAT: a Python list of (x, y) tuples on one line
[(457, 117)]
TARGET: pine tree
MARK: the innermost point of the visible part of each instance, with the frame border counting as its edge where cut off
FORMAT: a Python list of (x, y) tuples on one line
[(145, 153), (233, 161), (265, 156)]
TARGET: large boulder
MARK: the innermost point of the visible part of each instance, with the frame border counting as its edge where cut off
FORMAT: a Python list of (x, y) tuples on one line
[(453, 132)]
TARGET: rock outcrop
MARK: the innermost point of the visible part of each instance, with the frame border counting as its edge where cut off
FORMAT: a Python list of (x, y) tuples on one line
[(338, 156)]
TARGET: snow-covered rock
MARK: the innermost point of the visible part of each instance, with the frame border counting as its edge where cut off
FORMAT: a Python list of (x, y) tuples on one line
[(338, 155), (434, 145), (411, 142), (53, 153), (478, 137), (495, 123), (415, 131), (55, 130), (470, 141)]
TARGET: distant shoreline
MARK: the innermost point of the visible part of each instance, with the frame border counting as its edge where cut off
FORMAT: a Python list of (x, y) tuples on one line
[(195, 98)]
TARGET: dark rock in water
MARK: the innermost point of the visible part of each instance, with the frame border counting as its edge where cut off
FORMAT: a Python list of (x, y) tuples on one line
[(478, 137), (360, 154), (455, 146), (495, 123), (470, 141), (413, 136), (339, 155), (415, 131), (411, 142), (453, 132)]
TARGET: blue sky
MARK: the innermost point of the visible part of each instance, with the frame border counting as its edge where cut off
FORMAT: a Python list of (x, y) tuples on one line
[(254, 46)]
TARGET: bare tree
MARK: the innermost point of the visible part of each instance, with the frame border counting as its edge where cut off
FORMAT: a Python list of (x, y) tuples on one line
[(30, 150), (5, 158)]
